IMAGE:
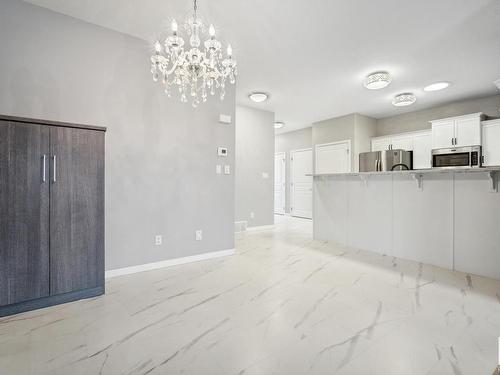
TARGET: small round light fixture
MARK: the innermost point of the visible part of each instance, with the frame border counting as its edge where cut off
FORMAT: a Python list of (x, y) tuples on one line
[(377, 80), (258, 97), (404, 99), (437, 86), (279, 124)]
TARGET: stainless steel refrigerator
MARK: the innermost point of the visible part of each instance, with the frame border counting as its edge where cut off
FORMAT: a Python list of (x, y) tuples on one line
[(388, 160)]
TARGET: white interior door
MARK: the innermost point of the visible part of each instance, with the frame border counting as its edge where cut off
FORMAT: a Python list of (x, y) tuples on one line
[(333, 157), (279, 183), (301, 185)]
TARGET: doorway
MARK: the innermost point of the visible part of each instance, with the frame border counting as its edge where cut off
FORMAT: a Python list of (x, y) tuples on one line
[(300, 183)]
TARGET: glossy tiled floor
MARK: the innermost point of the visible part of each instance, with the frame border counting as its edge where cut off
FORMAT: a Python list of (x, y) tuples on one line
[(285, 304)]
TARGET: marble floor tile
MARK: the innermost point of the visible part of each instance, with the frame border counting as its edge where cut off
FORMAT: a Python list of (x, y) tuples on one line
[(284, 304)]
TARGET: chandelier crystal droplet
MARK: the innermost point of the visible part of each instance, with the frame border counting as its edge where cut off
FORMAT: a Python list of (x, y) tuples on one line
[(197, 71)]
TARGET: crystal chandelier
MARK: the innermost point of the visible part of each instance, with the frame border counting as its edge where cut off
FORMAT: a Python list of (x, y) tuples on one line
[(194, 71)]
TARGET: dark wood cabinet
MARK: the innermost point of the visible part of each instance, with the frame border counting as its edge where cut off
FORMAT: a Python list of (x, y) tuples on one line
[(77, 210), (24, 212), (51, 213)]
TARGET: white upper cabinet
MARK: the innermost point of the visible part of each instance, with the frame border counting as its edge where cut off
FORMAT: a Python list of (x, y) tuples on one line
[(491, 142), (393, 142), (468, 131), (402, 142), (381, 144), (422, 148), (443, 133), (419, 142), (457, 131)]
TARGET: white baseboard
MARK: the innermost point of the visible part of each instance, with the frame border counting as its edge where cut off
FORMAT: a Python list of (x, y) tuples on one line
[(167, 263), (262, 227)]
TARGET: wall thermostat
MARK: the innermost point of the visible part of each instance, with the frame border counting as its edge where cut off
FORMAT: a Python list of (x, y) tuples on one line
[(224, 119), (222, 151)]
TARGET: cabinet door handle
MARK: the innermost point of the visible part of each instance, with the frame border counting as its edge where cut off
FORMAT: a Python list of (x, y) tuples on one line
[(54, 172), (456, 141), (44, 169)]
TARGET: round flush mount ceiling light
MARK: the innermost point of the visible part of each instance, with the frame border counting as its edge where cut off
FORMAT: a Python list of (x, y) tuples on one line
[(377, 80), (258, 97), (436, 86), (279, 124), (404, 99)]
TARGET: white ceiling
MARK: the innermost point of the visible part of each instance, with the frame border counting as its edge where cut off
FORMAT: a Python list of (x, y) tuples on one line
[(311, 55)]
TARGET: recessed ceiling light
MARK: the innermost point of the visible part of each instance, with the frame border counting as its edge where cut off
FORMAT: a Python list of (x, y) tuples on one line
[(278, 124), (377, 80), (436, 86), (404, 99), (258, 97)]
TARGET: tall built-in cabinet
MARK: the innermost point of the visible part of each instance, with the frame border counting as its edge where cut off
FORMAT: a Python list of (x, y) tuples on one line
[(51, 213), (491, 143)]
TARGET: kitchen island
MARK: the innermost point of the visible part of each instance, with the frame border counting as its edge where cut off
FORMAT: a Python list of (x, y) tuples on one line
[(447, 218)]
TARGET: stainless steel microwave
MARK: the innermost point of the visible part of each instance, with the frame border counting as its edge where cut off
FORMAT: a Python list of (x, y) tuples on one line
[(457, 157)]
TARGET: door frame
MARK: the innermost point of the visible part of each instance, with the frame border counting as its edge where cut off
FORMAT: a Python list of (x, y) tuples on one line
[(348, 141), (283, 176), (290, 185)]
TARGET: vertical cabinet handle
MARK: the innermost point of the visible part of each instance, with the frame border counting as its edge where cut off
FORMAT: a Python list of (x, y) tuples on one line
[(54, 172), (44, 168)]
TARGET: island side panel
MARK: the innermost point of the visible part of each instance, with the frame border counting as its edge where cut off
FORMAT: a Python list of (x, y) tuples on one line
[(330, 209), (369, 218), (477, 225), (423, 219)]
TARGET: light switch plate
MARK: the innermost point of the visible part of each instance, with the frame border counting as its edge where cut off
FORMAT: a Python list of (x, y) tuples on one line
[(222, 151), (224, 119), (265, 175), (218, 169), (227, 169), (199, 235)]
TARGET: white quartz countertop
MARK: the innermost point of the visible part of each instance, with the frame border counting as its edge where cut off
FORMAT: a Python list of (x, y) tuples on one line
[(413, 172)]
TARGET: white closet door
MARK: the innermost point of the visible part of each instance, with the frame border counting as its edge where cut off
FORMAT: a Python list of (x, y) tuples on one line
[(279, 183), (333, 157), (301, 184)]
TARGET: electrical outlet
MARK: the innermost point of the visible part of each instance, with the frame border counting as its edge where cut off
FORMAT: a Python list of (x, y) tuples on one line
[(158, 239), (199, 235), (227, 169), (218, 169), (252, 215)]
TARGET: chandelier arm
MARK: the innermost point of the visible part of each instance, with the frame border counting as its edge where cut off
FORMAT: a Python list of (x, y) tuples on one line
[(174, 66)]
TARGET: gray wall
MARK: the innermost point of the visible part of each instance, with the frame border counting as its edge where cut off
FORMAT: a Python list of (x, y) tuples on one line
[(160, 153), (254, 156), (419, 120), (287, 142)]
